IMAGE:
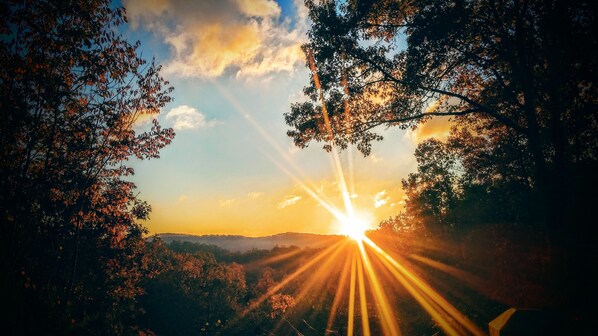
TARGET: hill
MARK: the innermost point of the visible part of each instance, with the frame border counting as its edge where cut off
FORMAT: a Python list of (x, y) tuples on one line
[(237, 243)]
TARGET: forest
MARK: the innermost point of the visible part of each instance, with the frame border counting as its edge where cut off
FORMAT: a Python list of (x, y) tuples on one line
[(499, 214)]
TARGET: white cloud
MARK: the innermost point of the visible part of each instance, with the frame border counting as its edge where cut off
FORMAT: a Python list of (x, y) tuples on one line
[(289, 200), (187, 117), (254, 194), (380, 199), (208, 38), (375, 159), (227, 202)]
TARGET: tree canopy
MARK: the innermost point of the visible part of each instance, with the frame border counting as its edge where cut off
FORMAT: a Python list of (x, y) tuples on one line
[(518, 80), (529, 66), (71, 90)]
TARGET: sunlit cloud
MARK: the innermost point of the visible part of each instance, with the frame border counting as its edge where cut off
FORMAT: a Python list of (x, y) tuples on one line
[(375, 159), (259, 8), (289, 200), (187, 117), (438, 127), (254, 194), (207, 38), (227, 202), (380, 199)]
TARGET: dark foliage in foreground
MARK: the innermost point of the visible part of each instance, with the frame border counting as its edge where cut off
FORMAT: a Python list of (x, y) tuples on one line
[(70, 91)]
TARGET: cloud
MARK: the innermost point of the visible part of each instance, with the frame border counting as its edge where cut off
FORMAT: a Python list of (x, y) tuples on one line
[(227, 202), (183, 198), (254, 195), (208, 38), (375, 159), (187, 117), (380, 199), (289, 200), (437, 127)]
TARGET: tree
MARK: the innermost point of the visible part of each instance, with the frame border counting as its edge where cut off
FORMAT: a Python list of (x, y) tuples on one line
[(530, 66), (479, 175), (432, 191), (524, 68), (71, 90), (189, 293)]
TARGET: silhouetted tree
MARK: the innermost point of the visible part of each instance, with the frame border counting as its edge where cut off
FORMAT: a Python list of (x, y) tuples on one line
[(530, 66), (71, 90), (189, 293), (479, 175), (432, 191), (526, 69)]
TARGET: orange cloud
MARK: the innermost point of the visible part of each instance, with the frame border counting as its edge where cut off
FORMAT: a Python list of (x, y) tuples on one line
[(437, 127), (227, 202), (289, 200), (259, 8), (208, 38)]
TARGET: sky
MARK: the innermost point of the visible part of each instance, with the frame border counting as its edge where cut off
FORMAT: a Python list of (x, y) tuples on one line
[(236, 66)]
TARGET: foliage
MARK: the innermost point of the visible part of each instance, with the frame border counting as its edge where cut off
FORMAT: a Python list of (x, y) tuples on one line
[(479, 175), (518, 78), (71, 90), (187, 293), (506, 64)]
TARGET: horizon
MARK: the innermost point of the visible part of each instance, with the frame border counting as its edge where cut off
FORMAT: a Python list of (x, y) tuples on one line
[(266, 167)]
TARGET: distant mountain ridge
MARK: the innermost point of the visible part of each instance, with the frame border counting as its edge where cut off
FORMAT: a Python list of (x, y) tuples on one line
[(238, 243)]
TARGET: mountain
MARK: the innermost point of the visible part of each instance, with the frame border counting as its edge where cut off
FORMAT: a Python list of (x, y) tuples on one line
[(238, 243)]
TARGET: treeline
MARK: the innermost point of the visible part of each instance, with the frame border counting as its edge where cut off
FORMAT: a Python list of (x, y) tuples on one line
[(186, 289)]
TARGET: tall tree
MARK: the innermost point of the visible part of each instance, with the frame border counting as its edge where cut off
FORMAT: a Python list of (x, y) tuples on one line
[(71, 89), (431, 192), (528, 65)]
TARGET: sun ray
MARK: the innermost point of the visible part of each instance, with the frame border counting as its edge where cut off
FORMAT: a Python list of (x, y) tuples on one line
[(274, 259), (291, 277), (423, 293), (351, 317), (239, 108), (470, 279), (421, 299), (322, 272), (338, 296), (450, 320), (389, 322), (330, 208), (365, 323)]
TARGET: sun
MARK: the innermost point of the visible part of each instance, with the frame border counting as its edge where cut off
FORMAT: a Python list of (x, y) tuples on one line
[(354, 227)]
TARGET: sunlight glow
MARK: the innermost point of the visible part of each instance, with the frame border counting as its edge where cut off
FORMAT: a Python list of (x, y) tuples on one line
[(354, 227), (359, 256)]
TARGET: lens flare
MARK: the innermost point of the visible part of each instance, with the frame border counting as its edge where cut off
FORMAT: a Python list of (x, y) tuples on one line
[(354, 227), (362, 285)]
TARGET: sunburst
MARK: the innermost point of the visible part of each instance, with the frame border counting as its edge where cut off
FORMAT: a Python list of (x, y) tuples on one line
[(354, 227), (359, 278)]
